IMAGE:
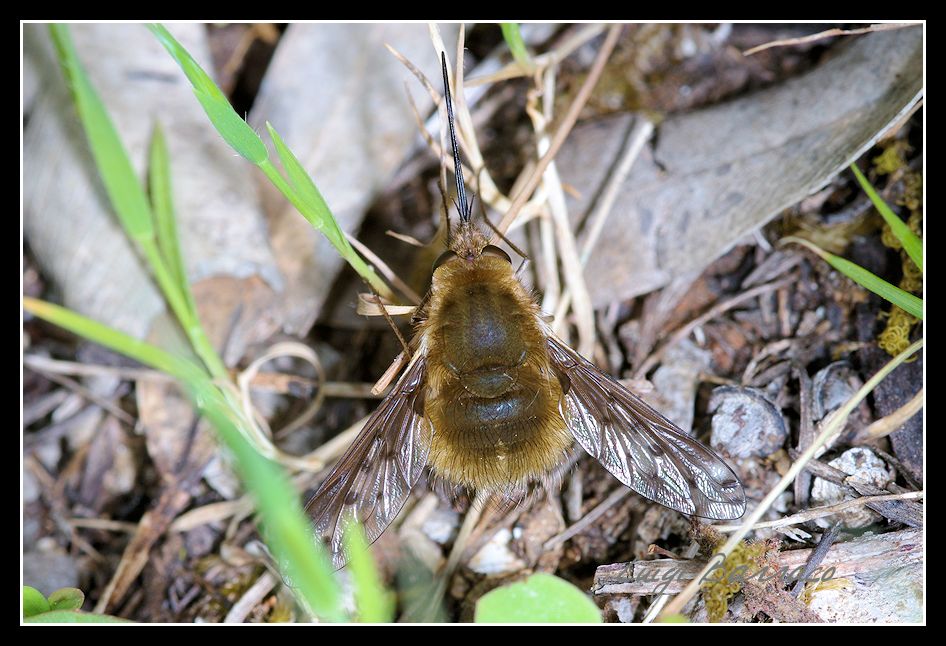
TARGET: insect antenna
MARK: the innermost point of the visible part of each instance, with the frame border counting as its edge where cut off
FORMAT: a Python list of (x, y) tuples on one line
[(463, 208)]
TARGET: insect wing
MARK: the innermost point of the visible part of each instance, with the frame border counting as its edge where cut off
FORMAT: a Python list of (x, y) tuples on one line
[(374, 477), (641, 447)]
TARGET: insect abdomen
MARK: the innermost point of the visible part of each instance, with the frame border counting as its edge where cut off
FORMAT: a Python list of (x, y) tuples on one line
[(492, 399)]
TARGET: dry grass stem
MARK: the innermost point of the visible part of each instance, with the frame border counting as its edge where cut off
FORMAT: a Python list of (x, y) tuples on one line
[(821, 512), (830, 33)]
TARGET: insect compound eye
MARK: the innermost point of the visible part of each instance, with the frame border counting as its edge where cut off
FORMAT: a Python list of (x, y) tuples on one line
[(444, 257), (493, 250)]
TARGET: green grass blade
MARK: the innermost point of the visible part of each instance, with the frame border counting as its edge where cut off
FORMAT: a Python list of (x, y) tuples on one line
[(902, 299), (127, 196), (517, 46), (140, 351), (286, 529), (115, 169), (234, 130), (372, 600), (162, 204), (910, 241), (285, 526), (313, 206), (300, 191), (307, 199)]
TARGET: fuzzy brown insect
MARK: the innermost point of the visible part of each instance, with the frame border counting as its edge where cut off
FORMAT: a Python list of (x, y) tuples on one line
[(492, 400)]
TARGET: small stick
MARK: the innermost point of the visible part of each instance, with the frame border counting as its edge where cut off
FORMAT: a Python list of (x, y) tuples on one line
[(830, 33), (565, 128), (257, 592), (707, 316), (578, 526), (821, 512), (384, 269), (817, 556), (887, 425)]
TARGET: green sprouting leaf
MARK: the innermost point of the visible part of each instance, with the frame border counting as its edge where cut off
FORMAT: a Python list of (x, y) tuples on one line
[(517, 46), (73, 617), (541, 598), (234, 130), (34, 602), (115, 169), (902, 299), (910, 241), (66, 599)]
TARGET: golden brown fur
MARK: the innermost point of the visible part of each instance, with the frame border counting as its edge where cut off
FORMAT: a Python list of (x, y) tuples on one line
[(492, 398)]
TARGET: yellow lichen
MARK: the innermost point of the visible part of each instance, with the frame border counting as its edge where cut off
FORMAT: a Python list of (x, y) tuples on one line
[(893, 158), (725, 581)]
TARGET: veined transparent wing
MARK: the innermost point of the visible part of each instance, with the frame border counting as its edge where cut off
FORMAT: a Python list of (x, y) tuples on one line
[(641, 447), (374, 477)]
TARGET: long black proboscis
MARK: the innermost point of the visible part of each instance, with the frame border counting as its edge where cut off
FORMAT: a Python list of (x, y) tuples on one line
[(462, 207)]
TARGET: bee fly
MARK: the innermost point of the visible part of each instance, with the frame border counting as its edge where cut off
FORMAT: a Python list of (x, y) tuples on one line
[(492, 400)]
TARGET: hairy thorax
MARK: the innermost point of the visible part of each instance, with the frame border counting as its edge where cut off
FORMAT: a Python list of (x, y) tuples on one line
[(492, 398)]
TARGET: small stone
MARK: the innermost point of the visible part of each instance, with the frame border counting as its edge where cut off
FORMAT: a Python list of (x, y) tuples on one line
[(495, 557), (865, 467), (745, 424)]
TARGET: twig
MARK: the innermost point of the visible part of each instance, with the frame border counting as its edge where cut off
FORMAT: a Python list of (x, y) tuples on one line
[(817, 556), (85, 393), (277, 382), (257, 592), (900, 511), (105, 524), (709, 315), (821, 512), (578, 526), (571, 116), (642, 131), (567, 247), (548, 59), (887, 425), (152, 526), (386, 271), (830, 33), (867, 555)]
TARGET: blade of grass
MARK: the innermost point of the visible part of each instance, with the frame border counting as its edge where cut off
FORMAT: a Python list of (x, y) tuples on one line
[(126, 194), (910, 241), (234, 130), (140, 351), (116, 171), (902, 299), (517, 46), (284, 524), (312, 205), (162, 204), (244, 140), (373, 602)]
